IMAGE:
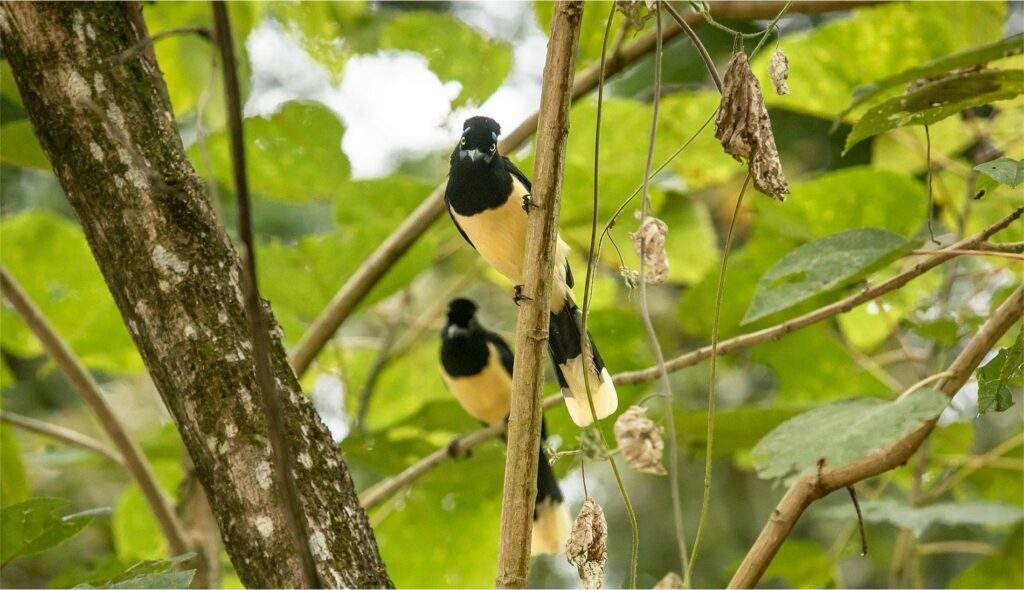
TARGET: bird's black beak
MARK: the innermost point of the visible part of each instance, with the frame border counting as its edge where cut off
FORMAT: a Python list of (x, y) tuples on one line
[(474, 155)]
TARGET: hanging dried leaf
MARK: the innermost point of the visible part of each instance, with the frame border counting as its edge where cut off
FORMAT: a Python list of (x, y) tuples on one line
[(639, 439), (671, 581), (745, 130), (649, 243), (587, 548), (778, 71), (630, 277)]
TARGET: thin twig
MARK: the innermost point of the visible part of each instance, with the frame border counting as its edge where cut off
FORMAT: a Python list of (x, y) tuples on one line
[(135, 462), (980, 252), (809, 488), (386, 488), (705, 503), (928, 163), (652, 335), (709, 63), (860, 520), (973, 464), (525, 413), (284, 461), (72, 437), (634, 525), (1011, 247), (201, 32)]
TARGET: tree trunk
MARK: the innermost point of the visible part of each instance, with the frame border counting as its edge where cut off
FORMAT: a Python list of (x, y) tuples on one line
[(108, 131)]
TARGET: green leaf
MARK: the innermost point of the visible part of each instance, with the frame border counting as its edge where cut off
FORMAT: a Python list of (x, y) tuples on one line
[(49, 256), (1005, 170), (454, 51), (887, 39), (842, 432), (1012, 45), (151, 574), (136, 534), (823, 266), (20, 146), (919, 518), (37, 525), (331, 32), (13, 483), (802, 563), (997, 375), (937, 100), (294, 154), (595, 17)]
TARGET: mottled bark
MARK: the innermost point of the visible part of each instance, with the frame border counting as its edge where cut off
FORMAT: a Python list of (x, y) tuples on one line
[(110, 135)]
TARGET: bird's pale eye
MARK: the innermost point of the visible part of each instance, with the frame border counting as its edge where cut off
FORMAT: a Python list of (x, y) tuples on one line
[(463, 142), (494, 147)]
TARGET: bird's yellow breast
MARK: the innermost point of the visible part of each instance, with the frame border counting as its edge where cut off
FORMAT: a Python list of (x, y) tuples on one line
[(499, 234), (486, 396)]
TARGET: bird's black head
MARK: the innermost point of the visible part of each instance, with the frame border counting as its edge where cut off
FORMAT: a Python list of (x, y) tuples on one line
[(479, 142), (461, 313)]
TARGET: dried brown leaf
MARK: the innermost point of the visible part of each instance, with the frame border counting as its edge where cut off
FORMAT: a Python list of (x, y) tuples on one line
[(778, 71), (649, 244), (587, 548), (745, 130), (671, 581), (639, 440)]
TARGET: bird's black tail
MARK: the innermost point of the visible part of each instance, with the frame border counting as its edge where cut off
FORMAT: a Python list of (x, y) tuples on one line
[(551, 521), (566, 354)]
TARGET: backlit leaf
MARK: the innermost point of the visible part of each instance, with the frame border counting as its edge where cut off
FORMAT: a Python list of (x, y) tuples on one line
[(997, 376), (1005, 170), (37, 525), (919, 518)]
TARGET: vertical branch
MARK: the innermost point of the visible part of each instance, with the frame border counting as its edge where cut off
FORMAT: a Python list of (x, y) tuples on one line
[(86, 386), (284, 461), (532, 326)]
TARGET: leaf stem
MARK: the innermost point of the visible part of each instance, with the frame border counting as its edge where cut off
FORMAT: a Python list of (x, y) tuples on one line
[(706, 498)]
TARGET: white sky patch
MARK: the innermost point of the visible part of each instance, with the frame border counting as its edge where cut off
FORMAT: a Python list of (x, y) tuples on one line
[(329, 401), (392, 105)]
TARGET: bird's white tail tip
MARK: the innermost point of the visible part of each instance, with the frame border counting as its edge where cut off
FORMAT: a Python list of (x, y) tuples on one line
[(551, 529), (606, 399)]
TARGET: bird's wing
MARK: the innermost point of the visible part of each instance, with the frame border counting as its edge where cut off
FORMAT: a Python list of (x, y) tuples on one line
[(517, 173), (455, 221), (503, 350)]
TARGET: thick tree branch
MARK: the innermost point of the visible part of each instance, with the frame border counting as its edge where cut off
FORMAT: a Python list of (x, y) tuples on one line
[(66, 435), (813, 486), (81, 379), (390, 486), (362, 281), (109, 132), (524, 420)]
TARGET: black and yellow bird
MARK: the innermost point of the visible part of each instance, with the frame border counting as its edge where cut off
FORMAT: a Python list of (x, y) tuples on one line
[(488, 198), (477, 367)]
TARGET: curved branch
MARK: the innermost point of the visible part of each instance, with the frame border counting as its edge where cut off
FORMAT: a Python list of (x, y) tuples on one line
[(135, 462), (386, 488), (362, 281), (71, 437), (814, 486)]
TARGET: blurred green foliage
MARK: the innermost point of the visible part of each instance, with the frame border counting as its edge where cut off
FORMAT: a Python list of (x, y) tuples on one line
[(316, 224)]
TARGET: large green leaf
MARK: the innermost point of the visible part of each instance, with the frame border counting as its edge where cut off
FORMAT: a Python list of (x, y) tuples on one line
[(294, 154), (595, 16), (453, 50), (823, 266), (996, 377), (151, 574), (49, 256), (886, 39), (36, 525), (937, 100), (136, 533), (1012, 45), (842, 432), (331, 32), (919, 518), (802, 563)]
